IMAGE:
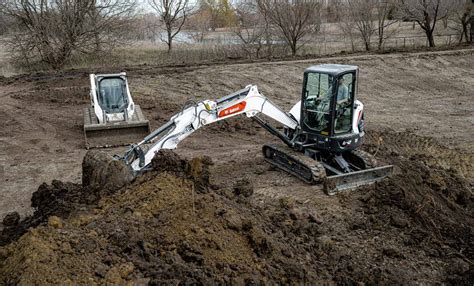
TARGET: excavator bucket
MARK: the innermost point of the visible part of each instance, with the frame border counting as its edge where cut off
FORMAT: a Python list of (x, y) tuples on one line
[(112, 134), (113, 119), (337, 183)]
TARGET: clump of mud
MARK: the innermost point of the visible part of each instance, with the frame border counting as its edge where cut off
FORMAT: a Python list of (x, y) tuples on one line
[(100, 171)]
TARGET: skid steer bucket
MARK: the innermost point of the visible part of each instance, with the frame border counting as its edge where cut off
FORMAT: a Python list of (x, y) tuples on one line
[(353, 180), (117, 133)]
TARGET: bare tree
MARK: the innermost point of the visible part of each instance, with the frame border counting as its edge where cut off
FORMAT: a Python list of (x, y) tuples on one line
[(425, 13), (385, 19), (53, 30), (368, 18), (344, 21), (173, 15), (4, 19), (462, 16), (295, 19), (361, 12), (251, 27), (200, 22)]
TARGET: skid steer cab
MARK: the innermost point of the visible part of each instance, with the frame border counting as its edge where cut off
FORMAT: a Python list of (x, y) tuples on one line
[(113, 119)]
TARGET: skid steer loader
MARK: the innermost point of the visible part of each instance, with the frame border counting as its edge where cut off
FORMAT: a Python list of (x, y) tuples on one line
[(112, 119)]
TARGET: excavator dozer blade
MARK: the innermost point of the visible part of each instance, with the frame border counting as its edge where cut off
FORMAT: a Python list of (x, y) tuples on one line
[(337, 183), (115, 133)]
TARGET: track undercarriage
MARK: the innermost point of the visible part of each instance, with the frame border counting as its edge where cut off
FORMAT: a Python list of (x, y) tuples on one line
[(359, 167)]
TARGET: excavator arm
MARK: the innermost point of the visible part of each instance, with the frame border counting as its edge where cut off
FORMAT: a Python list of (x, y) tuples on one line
[(194, 115)]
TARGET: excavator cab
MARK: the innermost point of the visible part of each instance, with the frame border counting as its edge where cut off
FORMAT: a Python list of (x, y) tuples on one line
[(328, 107), (332, 128)]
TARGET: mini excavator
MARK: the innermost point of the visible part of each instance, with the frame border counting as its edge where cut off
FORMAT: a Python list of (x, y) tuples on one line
[(320, 138)]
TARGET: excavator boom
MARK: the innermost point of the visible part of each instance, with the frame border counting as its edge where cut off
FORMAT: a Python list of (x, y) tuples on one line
[(194, 115)]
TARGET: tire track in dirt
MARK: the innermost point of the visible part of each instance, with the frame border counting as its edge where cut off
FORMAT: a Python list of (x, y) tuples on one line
[(32, 151)]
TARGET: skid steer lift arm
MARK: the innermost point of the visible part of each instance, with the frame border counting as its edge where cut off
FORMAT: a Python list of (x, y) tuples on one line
[(247, 101)]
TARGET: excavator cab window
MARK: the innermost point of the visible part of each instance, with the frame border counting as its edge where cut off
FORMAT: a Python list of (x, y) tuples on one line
[(344, 99), (317, 102), (112, 94)]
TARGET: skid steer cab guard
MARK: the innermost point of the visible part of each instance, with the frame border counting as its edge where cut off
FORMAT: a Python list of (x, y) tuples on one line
[(113, 119)]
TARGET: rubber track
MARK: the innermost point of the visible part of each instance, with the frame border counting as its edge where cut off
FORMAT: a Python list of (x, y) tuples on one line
[(295, 163)]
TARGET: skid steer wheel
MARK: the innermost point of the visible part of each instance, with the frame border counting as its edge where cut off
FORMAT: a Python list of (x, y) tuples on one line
[(361, 159)]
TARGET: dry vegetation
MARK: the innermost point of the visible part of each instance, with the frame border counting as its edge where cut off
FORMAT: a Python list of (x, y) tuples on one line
[(56, 34)]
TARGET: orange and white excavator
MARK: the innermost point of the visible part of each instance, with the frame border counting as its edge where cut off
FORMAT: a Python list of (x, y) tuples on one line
[(320, 138)]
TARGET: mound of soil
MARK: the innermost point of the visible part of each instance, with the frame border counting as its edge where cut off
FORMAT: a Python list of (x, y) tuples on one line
[(165, 228), (172, 225)]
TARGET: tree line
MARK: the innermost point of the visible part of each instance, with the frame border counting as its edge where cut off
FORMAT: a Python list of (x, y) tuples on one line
[(53, 31)]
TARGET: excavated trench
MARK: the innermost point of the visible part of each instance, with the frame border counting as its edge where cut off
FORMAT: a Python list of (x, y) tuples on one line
[(174, 226)]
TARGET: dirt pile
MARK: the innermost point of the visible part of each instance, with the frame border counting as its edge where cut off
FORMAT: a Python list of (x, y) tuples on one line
[(428, 203), (61, 199), (166, 227), (173, 225), (429, 209)]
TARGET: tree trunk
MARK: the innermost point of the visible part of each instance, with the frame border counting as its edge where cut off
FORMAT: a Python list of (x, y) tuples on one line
[(429, 35), (367, 44), (380, 43), (293, 48), (464, 33), (472, 29), (170, 41)]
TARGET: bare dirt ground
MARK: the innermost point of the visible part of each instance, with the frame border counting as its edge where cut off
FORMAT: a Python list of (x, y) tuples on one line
[(42, 139), (417, 225)]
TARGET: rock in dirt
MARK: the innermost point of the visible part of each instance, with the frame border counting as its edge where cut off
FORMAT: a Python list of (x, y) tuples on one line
[(55, 222), (314, 217)]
